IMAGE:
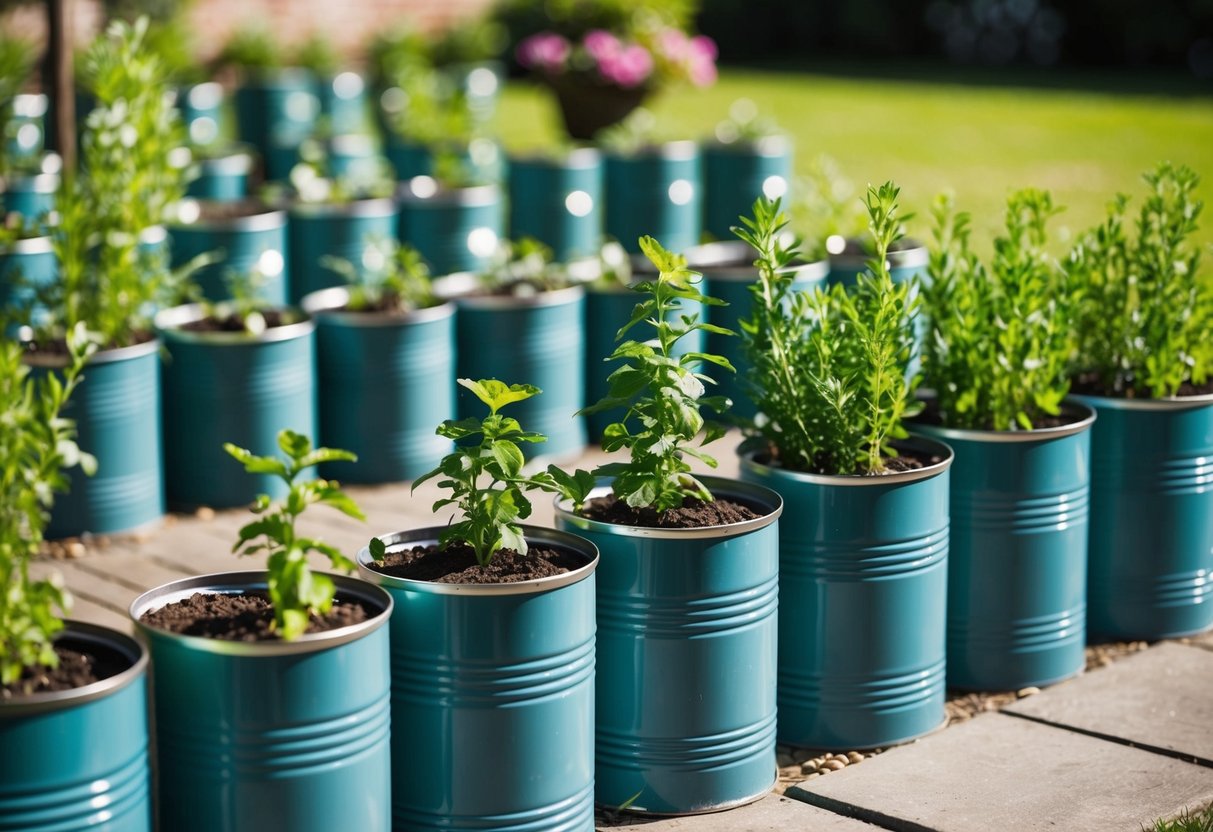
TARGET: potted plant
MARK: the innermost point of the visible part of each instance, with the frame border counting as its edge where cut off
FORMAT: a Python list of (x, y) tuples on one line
[(748, 156), (27, 265), (609, 299), (340, 92), (998, 345), (651, 185), (276, 106), (504, 614), (385, 365), (864, 544), (557, 198), (685, 700), (241, 237), (522, 317), (111, 279), (1143, 361), (271, 688), (73, 700), (238, 369), (601, 66), (28, 178)]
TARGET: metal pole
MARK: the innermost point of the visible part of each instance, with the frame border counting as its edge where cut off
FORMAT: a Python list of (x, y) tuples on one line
[(59, 56)]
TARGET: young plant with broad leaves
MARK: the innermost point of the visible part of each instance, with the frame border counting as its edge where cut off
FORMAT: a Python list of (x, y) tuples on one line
[(394, 277), (828, 367), (1144, 317), (37, 445), (296, 592), (999, 336), (662, 393), (486, 481)]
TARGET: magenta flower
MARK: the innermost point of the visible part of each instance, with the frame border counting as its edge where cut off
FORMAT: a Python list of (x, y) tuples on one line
[(674, 44), (630, 68), (602, 45), (701, 61), (547, 51)]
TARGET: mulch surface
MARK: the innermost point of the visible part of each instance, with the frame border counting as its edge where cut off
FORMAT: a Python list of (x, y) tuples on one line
[(458, 565), (245, 617)]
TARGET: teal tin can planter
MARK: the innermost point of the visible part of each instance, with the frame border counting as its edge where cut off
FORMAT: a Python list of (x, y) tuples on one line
[(25, 132), (342, 101), (354, 155), (385, 382), (737, 173), (907, 259), (246, 238), (408, 159), (1150, 556), (498, 677), (77, 760), (117, 416), (1017, 558), (537, 338), (25, 267), (223, 178), (29, 196), (607, 310), (342, 230), (455, 230), (231, 387), (685, 718), (728, 272), (655, 191), (201, 107), (558, 201), (271, 734), (277, 107), (863, 571)]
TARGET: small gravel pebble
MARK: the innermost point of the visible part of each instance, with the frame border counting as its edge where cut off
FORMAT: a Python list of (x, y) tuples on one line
[(854, 757), (76, 549), (1028, 691), (205, 513)]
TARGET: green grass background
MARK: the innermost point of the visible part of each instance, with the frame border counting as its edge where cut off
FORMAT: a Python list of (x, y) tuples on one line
[(1084, 143)]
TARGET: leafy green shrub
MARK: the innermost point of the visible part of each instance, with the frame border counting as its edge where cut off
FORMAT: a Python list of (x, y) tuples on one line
[(662, 393), (296, 592), (486, 480), (253, 50), (36, 445), (1144, 318), (999, 338), (318, 54), (16, 61), (828, 368)]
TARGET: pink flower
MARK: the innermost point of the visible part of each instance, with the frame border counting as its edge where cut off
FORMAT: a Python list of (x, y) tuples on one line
[(701, 61), (547, 51), (630, 68), (673, 44), (602, 45)]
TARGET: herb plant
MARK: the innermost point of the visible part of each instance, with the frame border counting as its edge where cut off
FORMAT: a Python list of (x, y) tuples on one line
[(1143, 317), (393, 277), (16, 60), (999, 336), (486, 479), (318, 54), (253, 50), (523, 266), (296, 592), (36, 445), (828, 370), (663, 393)]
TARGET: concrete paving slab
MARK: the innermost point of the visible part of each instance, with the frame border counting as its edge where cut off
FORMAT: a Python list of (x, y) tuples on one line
[(774, 813), (997, 773), (1160, 699), (1204, 640)]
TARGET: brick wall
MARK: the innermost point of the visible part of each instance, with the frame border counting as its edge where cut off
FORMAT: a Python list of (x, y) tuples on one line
[(349, 23)]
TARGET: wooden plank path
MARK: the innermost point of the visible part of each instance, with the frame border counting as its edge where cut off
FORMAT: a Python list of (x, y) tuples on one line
[(1112, 750)]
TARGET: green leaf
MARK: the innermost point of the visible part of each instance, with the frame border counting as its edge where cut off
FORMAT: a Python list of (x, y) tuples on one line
[(323, 455), (497, 394), (378, 548), (508, 457), (294, 445)]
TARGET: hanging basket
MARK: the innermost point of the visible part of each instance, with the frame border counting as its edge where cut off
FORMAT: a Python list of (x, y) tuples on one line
[(588, 107)]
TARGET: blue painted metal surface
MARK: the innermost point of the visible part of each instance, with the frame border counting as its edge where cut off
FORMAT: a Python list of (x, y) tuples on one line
[(343, 101), (656, 191), (1017, 559), (243, 243), (606, 311), (386, 381), (25, 266), (117, 413), (223, 179), (1150, 570), (278, 107), (736, 174), (407, 158), (231, 387), (25, 128), (497, 678), (728, 271), (272, 735), (862, 593), (344, 231), (78, 760), (558, 201), (29, 196), (455, 231), (687, 628), (536, 340), (202, 113)]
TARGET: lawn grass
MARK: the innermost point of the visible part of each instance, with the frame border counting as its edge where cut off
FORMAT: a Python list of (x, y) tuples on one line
[(980, 141), (1187, 822)]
